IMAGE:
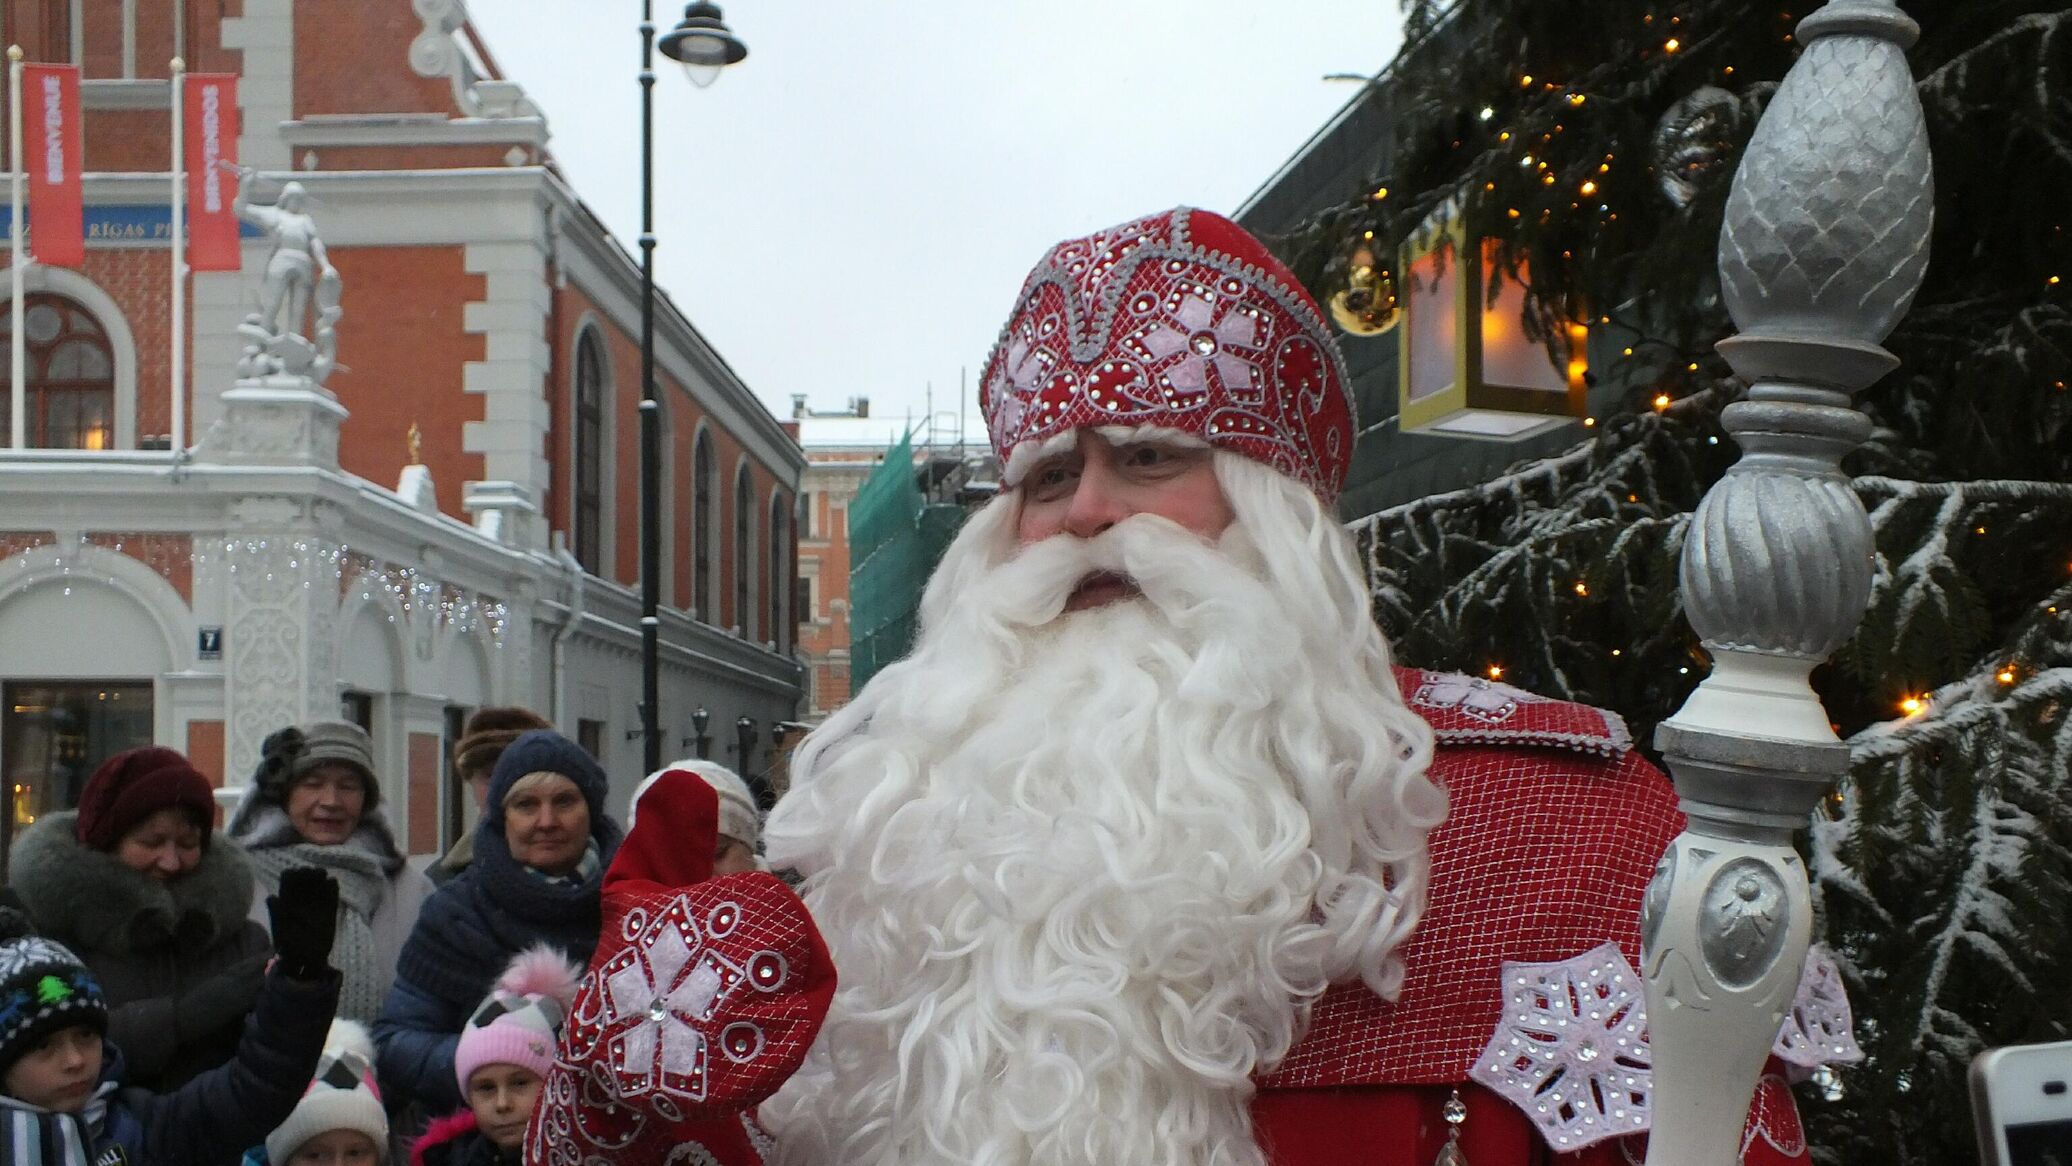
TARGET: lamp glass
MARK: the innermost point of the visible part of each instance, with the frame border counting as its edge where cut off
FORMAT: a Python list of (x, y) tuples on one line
[(1433, 332), (1509, 356), (703, 73)]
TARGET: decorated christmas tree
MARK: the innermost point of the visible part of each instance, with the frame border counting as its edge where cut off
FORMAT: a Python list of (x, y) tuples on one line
[(1595, 139)]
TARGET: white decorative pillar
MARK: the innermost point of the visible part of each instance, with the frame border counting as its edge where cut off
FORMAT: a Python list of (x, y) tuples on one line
[(280, 578), (1824, 245)]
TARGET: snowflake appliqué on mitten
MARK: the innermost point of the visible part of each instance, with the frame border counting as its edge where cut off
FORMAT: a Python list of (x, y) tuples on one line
[(650, 1006)]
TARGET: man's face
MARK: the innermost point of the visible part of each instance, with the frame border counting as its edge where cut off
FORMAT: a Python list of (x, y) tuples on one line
[(1097, 483)]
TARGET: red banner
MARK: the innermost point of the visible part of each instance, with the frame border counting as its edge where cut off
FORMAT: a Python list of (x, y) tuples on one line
[(211, 148), (52, 155)]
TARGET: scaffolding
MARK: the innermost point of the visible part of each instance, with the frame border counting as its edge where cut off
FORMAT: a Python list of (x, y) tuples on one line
[(902, 519)]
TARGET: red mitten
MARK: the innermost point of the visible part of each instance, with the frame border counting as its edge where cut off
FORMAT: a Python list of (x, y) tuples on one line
[(699, 1003)]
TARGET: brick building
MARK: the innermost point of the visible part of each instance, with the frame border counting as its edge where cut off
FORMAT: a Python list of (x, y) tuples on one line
[(486, 306), (844, 448)]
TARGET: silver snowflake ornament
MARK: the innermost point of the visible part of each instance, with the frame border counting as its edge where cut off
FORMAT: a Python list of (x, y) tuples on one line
[(1820, 1029), (1571, 1049)]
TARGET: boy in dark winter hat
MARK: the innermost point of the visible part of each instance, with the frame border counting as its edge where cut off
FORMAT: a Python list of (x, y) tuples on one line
[(62, 1095)]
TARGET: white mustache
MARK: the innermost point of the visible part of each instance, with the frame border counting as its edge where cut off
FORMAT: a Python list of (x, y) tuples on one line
[(1160, 558)]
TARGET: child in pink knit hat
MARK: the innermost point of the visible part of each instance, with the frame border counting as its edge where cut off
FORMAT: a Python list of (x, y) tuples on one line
[(505, 1051)]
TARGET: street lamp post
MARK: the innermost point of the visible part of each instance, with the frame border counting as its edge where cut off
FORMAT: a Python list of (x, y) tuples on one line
[(744, 755), (703, 44)]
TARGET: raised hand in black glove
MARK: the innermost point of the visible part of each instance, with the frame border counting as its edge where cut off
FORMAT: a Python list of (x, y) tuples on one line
[(305, 921), (221, 999)]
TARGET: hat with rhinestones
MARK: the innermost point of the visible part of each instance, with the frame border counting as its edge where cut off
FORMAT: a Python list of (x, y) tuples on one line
[(1180, 320)]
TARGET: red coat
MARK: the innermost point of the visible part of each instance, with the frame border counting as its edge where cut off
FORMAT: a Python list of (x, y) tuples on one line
[(1553, 830)]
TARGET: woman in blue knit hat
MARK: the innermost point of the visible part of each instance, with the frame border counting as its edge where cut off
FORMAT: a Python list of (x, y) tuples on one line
[(540, 853)]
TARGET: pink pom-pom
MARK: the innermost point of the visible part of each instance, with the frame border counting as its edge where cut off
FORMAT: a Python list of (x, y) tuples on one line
[(540, 970)]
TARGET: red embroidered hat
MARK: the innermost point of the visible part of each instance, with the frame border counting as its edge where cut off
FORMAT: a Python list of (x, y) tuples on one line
[(1180, 320)]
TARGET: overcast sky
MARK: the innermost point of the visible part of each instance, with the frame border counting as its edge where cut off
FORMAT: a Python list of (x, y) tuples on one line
[(851, 210)]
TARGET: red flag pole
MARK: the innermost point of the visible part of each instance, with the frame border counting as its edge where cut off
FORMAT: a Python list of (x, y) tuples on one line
[(179, 263)]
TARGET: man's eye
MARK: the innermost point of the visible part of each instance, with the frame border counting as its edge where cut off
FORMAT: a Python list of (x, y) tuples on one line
[(1051, 481)]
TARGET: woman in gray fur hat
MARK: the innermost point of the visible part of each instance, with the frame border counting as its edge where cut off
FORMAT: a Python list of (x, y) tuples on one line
[(315, 801)]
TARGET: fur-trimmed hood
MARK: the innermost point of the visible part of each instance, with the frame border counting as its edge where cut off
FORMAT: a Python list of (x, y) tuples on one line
[(86, 896)]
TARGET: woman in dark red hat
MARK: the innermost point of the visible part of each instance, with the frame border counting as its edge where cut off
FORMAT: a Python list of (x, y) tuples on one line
[(137, 885)]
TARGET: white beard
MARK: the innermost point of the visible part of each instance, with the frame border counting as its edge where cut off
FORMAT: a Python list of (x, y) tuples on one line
[(1082, 876)]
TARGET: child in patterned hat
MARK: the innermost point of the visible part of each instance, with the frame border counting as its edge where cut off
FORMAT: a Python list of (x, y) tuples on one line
[(339, 1121), (62, 1096), (505, 1051)]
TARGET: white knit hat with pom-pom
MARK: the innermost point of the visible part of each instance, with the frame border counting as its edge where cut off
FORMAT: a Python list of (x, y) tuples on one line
[(342, 1096), (520, 1019)]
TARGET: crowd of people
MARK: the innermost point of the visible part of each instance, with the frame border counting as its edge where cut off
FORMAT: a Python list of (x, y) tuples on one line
[(290, 990), (1148, 853)]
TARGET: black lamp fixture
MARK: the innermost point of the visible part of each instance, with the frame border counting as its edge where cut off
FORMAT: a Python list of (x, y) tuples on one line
[(704, 45), (700, 721), (744, 742), (744, 762)]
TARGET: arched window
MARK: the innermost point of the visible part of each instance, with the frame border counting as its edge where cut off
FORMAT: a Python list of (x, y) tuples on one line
[(589, 454), (780, 558), (704, 531), (71, 374), (744, 553)]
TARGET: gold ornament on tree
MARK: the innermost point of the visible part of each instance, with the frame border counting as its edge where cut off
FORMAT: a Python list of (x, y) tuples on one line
[(1367, 303)]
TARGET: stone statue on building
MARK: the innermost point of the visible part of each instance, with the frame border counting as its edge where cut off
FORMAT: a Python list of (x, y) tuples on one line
[(280, 338)]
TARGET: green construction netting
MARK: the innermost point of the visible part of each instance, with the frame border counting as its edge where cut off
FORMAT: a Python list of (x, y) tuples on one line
[(895, 538)]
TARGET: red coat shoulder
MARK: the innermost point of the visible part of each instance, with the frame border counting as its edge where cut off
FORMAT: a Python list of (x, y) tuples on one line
[(1553, 828)]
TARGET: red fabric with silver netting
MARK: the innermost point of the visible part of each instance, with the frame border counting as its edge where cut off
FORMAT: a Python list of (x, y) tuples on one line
[(1552, 834)]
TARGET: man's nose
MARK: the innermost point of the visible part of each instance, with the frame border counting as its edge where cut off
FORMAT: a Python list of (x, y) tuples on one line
[(167, 860), (1098, 502)]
